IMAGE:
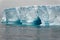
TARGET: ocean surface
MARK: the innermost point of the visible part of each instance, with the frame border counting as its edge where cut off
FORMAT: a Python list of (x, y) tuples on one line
[(29, 32)]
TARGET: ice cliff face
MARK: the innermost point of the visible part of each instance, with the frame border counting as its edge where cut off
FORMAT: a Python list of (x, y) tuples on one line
[(49, 15)]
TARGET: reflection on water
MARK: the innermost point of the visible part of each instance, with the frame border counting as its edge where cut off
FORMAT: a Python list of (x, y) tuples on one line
[(32, 33)]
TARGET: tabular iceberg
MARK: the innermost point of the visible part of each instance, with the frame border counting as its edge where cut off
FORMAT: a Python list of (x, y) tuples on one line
[(32, 15)]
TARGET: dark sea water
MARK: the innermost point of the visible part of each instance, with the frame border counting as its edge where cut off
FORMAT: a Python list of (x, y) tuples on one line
[(30, 33)]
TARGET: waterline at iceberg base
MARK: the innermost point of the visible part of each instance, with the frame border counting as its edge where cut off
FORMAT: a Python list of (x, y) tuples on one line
[(32, 15)]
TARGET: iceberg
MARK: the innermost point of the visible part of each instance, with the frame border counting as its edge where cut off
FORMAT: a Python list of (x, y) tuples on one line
[(32, 15)]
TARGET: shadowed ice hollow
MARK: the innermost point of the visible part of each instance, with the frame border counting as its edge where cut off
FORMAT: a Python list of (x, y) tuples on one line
[(29, 16)]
